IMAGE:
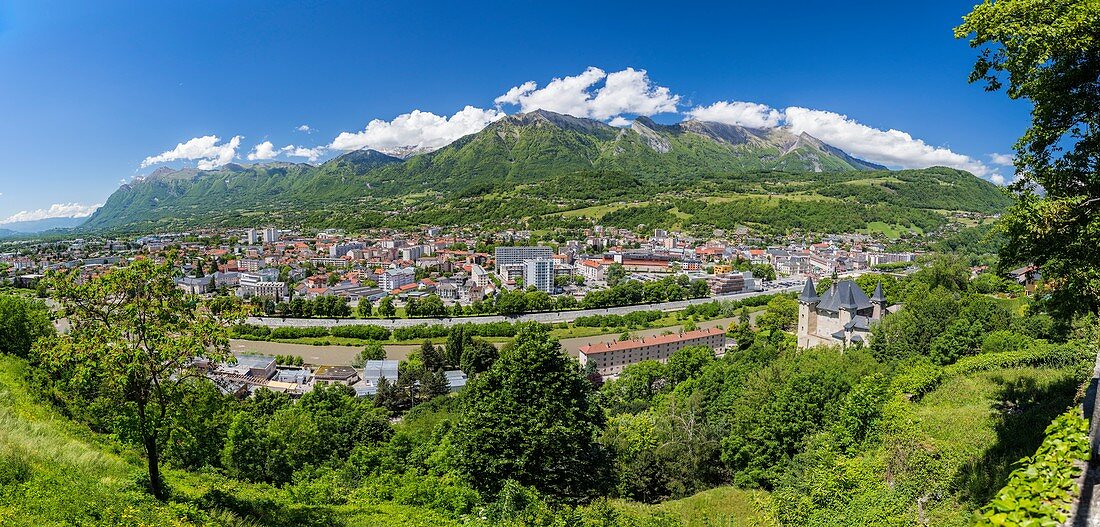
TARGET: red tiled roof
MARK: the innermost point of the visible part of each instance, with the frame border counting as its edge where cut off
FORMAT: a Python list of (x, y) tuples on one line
[(605, 347)]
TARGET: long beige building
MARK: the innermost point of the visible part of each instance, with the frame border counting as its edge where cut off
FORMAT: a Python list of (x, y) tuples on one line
[(611, 357)]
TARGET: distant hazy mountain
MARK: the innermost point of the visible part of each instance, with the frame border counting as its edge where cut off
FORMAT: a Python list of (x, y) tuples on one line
[(559, 160), (33, 226)]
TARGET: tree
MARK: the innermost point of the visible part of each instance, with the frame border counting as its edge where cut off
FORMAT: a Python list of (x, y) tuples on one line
[(456, 341), (386, 308), (781, 314), (532, 418), (22, 321), (477, 356), (782, 404), (614, 274), (431, 357), (947, 271), (364, 308), (634, 389), (687, 362), (511, 302), (742, 332), (1049, 54), (373, 351), (133, 342)]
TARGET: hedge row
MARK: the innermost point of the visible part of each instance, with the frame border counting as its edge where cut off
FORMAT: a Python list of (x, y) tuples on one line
[(427, 331), (372, 332), (920, 380), (1042, 489), (361, 331), (632, 319)]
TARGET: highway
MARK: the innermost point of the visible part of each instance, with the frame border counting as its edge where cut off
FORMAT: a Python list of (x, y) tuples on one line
[(548, 317)]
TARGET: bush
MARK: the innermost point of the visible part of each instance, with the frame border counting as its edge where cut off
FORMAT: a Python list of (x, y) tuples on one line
[(922, 379), (1041, 490), (364, 331), (297, 333), (630, 320), (251, 331)]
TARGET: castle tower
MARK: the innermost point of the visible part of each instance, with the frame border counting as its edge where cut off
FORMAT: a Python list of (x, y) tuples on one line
[(807, 313), (848, 304), (879, 301)]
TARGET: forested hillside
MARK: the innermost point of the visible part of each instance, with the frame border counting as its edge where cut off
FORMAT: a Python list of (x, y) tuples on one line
[(541, 169)]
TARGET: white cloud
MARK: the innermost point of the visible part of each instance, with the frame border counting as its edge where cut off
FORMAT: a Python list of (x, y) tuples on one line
[(1004, 160), (889, 147), (57, 210), (263, 151), (309, 153), (620, 121), (205, 150), (629, 91), (998, 179), (749, 114), (893, 148), (305, 128), (419, 129)]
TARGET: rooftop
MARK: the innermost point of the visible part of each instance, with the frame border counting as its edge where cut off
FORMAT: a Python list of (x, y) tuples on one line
[(605, 347)]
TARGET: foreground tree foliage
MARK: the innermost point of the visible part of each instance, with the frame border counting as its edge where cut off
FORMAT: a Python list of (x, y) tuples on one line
[(22, 321), (134, 344), (532, 418), (1048, 53)]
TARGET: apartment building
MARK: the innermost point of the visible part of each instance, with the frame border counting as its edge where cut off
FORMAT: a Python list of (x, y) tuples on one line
[(611, 357)]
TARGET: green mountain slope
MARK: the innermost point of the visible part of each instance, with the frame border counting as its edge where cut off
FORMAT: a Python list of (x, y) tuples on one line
[(534, 165)]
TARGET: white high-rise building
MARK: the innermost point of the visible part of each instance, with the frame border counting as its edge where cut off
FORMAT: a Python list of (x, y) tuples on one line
[(252, 236), (515, 255), (271, 235), (509, 260), (539, 273)]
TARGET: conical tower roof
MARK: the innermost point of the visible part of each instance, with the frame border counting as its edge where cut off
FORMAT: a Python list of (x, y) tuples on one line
[(878, 296), (809, 293)]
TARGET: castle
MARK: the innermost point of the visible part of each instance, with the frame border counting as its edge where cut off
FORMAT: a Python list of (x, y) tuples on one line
[(843, 315)]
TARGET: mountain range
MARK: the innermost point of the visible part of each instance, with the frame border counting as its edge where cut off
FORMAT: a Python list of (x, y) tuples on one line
[(532, 165)]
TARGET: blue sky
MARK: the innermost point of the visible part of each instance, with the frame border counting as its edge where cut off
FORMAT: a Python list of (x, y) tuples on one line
[(92, 91)]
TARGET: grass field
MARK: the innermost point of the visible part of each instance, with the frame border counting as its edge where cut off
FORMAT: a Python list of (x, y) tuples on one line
[(723, 506)]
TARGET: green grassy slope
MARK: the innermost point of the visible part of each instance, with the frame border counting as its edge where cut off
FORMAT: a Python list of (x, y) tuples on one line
[(941, 457)]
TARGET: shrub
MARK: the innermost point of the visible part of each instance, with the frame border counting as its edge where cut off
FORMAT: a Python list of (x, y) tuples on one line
[(297, 333), (363, 331), (251, 331), (1041, 490)]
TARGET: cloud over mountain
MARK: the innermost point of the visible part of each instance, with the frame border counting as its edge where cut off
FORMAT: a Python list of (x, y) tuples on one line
[(893, 148), (57, 210), (629, 91), (416, 129), (263, 151), (748, 114), (205, 150), (311, 154)]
